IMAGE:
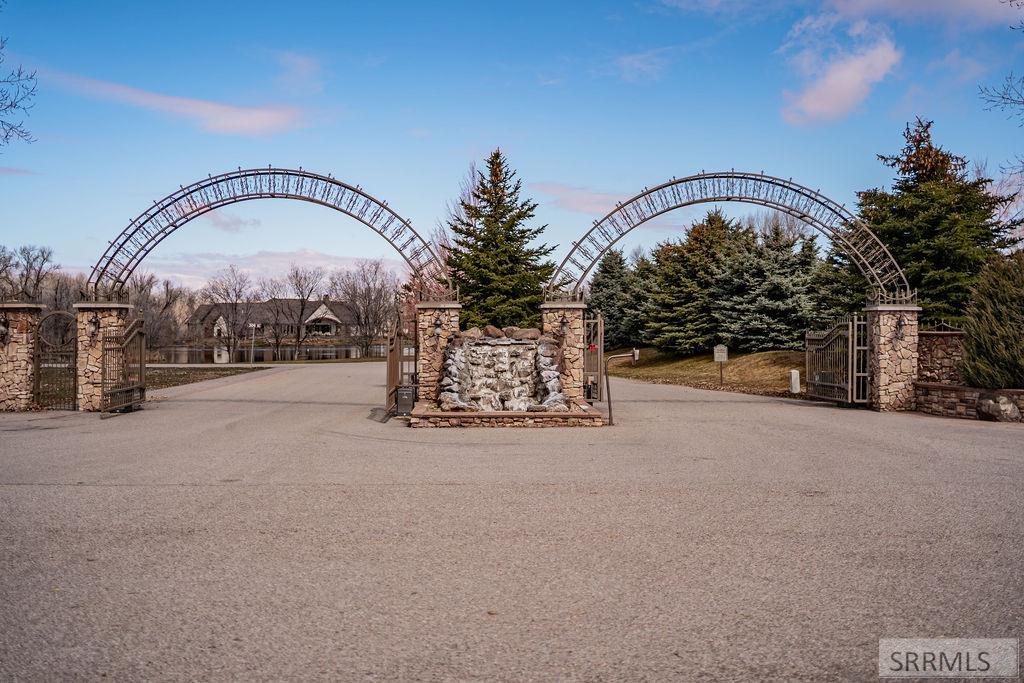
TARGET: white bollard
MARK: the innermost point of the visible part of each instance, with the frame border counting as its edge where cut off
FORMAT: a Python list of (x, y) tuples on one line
[(794, 381)]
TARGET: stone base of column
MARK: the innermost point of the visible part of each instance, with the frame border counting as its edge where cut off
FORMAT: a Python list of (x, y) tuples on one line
[(893, 355), (563, 320), (93, 320), (436, 323), (19, 325)]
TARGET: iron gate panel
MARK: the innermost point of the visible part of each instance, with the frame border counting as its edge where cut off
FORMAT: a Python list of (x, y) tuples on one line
[(593, 357), (124, 368), (837, 362), (402, 381), (55, 375)]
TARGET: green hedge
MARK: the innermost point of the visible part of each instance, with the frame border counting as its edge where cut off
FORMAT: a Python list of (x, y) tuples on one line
[(994, 339)]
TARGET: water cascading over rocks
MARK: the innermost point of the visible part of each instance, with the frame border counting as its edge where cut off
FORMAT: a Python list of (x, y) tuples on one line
[(502, 370)]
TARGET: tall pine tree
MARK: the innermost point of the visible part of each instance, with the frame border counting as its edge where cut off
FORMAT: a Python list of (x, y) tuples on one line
[(499, 274), (681, 311), (940, 225), (764, 291), (611, 295)]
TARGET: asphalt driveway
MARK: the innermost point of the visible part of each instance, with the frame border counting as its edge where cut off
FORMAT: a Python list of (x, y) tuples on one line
[(263, 527)]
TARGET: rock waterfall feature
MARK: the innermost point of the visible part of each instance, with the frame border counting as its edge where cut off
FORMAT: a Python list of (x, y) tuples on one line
[(502, 370)]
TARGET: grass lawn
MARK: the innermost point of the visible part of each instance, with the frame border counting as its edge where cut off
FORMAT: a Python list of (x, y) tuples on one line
[(765, 373), (162, 378)]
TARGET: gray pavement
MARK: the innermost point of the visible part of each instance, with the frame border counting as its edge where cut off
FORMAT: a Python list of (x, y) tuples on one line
[(262, 527)]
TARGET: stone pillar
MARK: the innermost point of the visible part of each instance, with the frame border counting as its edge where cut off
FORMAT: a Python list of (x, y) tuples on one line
[(93, 319), (17, 355), (436, 323), (563, 320), (892, 349)]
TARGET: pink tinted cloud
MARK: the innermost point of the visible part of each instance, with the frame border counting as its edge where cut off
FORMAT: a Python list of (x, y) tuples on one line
[(194, 269), (845, 82), (578, 199), (11, 170), (214, 117), (225, 221)]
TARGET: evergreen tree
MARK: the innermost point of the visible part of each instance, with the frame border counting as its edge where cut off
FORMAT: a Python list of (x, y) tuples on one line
[(634, 317), (611, 295), (681, 311), (763, 291), (939, 225), (994, 329), (499, 275), (838, 288)]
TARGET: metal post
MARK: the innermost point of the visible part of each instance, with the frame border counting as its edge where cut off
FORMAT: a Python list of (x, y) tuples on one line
[(608, 382)]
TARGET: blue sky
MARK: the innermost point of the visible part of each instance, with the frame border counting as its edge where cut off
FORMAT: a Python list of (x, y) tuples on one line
[(590, 101)]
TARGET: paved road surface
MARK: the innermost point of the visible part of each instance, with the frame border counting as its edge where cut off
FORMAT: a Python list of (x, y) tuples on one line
[(262, 527)]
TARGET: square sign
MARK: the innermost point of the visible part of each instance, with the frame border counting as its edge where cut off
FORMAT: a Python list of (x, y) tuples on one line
[(721, 353)]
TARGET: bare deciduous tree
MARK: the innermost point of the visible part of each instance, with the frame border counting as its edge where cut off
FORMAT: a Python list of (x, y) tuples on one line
[(24, 270), (157, 302), (272, 291), (303, 283), (370, 292), (233, 293), (17, 90)]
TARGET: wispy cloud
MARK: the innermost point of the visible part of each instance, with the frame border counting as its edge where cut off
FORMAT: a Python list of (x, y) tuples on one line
[(11, 170), (194, 269), (648, 65), (225, 221), (841, 63), (215, 117), (971, 12), (578, 199), (964, 69), (301, 73)]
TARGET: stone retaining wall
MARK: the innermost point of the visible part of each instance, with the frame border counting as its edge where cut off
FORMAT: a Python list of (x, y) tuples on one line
[(939, 356), (427, 416), (950, 400), (17, 365)]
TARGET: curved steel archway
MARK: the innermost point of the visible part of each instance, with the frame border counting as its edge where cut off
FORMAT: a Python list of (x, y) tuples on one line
[(810, 206), (144, 233)]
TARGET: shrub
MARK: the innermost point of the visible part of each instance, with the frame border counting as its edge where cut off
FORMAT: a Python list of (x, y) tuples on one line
[(994, 328)]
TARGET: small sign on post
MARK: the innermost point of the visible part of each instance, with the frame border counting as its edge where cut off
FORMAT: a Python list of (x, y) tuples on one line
[(721, 356)]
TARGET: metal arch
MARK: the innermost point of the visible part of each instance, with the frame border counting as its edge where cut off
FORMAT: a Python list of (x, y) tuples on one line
[(123, 255), (810, 206)]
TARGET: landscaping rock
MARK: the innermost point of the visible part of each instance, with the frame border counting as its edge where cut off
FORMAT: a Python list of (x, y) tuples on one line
[(473, 333), (510, 331), (526, 333), (998, 409), (492, 331)]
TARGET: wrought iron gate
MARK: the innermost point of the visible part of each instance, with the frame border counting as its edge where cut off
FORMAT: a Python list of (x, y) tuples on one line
[(55, 374), (124, 368), (837, 361), (402, 376), (593, 359)]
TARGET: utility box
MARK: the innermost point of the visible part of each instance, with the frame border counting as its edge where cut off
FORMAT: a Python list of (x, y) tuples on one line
[(794, 381), (405, 400)]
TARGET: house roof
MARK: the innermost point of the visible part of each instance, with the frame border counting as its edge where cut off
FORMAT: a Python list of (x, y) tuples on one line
[(284, 311)]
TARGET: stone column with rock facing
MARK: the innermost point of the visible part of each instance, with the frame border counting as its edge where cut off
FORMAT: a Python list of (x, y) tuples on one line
[(93, 320), (436, 323), (20, 325), (563, 320), (893, 355)]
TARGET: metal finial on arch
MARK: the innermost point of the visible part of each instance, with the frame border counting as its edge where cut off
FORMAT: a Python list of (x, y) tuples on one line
[(124, 254), (834, 220)]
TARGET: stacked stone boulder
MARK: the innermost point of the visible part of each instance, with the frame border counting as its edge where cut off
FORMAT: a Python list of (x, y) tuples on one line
[(493, 370)]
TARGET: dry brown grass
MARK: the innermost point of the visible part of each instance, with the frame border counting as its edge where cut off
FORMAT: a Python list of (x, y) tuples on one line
[(162, 378), (765, 373)]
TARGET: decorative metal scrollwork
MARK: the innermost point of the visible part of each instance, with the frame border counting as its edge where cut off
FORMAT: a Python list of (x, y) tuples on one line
[(123, 255), (832, 219)]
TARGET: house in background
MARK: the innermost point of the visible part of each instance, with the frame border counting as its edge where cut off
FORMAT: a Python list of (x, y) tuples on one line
[(330, 331)]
